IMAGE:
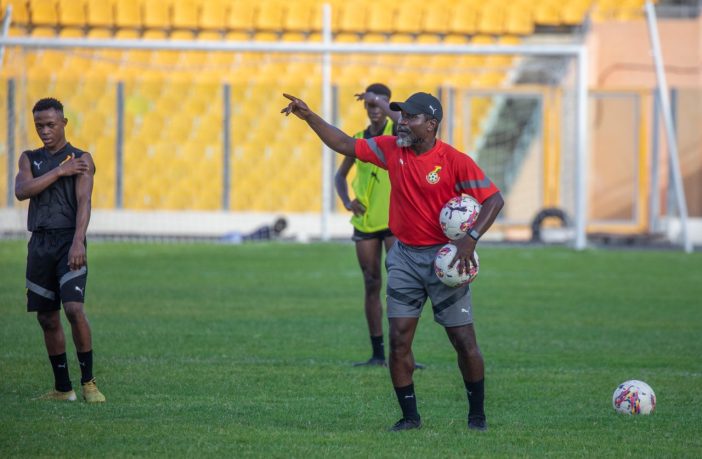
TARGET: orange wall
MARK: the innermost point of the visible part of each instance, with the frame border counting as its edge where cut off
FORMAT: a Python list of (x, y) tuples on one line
[(620, 58)]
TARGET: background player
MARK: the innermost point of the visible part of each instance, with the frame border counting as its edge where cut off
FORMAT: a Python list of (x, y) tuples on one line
[(58, 181), (424, 173), (371, 187)]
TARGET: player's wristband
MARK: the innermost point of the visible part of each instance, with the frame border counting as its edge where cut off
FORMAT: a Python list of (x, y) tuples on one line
[(474, 234)]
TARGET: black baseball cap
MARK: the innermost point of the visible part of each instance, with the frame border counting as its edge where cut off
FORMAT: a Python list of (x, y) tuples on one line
[(420, 102)]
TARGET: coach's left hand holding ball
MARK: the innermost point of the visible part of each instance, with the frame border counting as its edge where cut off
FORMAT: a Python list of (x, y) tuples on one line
[(465, 254), (466, 245)]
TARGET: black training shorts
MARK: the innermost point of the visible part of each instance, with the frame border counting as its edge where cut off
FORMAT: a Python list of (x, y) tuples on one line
[(361, 236), (49, 279)]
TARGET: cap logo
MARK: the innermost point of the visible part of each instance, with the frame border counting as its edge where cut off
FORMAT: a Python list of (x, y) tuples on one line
[(433, 110)]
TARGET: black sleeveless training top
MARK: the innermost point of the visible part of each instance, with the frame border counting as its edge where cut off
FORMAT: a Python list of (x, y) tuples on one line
[(55, 207)]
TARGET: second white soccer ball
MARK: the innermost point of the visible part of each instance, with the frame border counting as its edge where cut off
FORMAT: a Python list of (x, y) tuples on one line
[(634, 397), (458, 216), (451, 276)]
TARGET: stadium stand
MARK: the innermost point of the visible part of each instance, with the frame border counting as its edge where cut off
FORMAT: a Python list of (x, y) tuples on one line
[(173, 108)]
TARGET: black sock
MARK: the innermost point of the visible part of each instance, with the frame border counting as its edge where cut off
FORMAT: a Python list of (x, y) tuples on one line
[(476, 397), (62, 382), (378, 347), (85, 360), (408, 402)]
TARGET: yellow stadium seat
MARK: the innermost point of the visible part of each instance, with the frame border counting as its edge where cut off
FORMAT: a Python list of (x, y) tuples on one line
[(100, 13), (43, 12), (519, 21), (20, 11), (627, 10), (17, 31), (265, 36), (428, 38), (213, 15), (435, 19), (43, 32), (298, 16), (489, 79), (381, 19), (241, 15), (574, 12), (71, 32), (401, 38), (72, 13), (182, 35), (99, 33), (547, 14), (237, 36), (293, 36), (409, 18), (456, 39), (374, 38), (185, 14), (128, 14), (154, 34), (347, 37), (314, 37), (127, 34), (156, 15), (352, 17), (269, 16), (209, 35), (462, 20), (448, 61), (491, 19)]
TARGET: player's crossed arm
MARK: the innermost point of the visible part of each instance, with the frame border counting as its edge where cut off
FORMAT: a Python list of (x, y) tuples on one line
[(333, 137), (26, 185)]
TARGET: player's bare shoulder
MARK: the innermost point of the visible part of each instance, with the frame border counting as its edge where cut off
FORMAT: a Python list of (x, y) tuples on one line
[(88, 158)]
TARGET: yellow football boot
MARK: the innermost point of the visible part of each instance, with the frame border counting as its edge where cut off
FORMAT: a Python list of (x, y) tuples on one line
[(59, 396), (91, 394)]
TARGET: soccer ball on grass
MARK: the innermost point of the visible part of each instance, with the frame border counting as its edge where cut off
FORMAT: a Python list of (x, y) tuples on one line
[(634, 397)]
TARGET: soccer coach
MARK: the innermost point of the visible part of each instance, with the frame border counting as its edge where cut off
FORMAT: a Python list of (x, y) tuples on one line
[(424, 173)]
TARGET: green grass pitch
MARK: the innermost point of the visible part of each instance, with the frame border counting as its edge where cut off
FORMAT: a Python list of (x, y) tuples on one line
[(246, 351)]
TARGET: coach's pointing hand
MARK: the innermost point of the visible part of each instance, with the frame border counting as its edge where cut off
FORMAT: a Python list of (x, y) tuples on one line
[(297, 107)]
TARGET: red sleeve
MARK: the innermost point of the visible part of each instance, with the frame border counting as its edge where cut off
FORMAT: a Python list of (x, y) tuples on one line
[(471, 180), (376, 150)]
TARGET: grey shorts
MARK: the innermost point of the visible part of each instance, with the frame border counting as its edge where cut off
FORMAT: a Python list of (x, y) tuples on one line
[(411, 280)]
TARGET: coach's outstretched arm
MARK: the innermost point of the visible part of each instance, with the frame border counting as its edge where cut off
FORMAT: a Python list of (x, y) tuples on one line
[(333, 137)]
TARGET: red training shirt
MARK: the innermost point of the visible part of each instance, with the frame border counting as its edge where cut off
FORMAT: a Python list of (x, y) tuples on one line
[(422, 184)]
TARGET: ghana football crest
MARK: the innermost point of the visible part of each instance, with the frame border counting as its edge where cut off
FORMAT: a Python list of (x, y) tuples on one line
[(433, 176)]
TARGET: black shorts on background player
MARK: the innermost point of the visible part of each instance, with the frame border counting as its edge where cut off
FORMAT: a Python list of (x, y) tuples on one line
[(49, 279)]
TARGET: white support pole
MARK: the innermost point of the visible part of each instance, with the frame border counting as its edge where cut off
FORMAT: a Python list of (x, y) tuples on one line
[(5, 31), (581, 153), (327, 115), (668, 123)]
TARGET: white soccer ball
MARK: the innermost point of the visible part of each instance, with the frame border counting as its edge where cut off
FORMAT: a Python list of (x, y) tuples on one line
[(634, 397), (451, 276), (458, 216)]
